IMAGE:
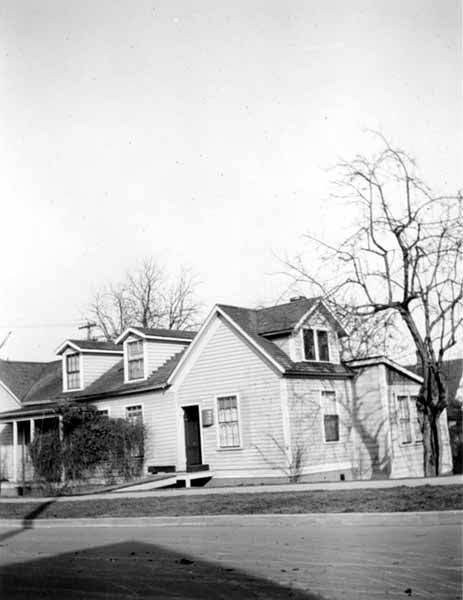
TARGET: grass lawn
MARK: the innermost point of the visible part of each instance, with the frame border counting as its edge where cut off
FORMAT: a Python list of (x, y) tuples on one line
[(401, 498)]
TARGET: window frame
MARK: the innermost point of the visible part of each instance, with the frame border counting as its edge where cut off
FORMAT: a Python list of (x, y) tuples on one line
[(324, 413), (240, 432), (412, 418), (133, 405), (316, 344), (67, 373), (100, 409), (128, 360)]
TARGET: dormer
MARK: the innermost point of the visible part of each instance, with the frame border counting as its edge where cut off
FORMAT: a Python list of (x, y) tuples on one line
[(304, 328), (84, 361), (146, 349)]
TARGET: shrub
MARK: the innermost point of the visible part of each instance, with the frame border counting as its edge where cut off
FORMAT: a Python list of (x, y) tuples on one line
[(46, 456), (91, 442)]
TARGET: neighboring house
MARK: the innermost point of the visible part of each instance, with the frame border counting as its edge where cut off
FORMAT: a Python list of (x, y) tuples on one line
[(254, 395)]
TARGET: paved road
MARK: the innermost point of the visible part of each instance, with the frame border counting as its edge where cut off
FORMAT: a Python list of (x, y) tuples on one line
[(302, 558)]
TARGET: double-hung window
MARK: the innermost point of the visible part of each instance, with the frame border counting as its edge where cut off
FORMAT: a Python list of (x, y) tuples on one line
[(73, 371), (316, 345), (409, 428), (228, 422), (134, 414), (330, 416), (405, 426), (135, 360)]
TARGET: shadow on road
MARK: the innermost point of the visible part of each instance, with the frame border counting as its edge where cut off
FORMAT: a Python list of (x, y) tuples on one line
[(28, 520), (139, 570)]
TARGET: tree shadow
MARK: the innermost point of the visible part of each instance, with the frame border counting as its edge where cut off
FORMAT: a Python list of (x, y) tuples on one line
[(28, 520), (137, 570)]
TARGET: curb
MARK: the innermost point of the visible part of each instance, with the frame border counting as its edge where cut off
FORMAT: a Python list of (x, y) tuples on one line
[(394, 519)]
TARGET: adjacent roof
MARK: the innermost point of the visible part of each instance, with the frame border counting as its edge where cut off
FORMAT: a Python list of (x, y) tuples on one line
[(19, 376), (384, 360), (149, 332), (89, 345), (453, 373), (283, 317)]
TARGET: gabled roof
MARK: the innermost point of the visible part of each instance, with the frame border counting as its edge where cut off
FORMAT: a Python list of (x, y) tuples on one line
[(283, 317), (384, 360), (247, 321), (156, 333), (90, 346), (19, 376)]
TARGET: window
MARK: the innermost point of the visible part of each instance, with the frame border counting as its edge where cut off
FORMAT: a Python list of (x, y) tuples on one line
[(404, 420), (316, 345), (134, 414), (227, 417), (330, 417), (102, 412), (73, 371), (135, 362)]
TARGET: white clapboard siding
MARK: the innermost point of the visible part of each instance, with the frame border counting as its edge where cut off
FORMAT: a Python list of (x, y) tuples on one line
[(306, 422), (6, 450), (159, 419), (94, 365), (7, 401), (158, 352), (228, 365), (372, 424)]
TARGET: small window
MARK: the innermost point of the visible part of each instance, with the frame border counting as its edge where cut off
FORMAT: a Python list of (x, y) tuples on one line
[(134, 414), (309, 344), (135, 360), (330, 416), (404, 420), (73, 371), (229, 431), (323, 349), (102, 412), (316, 345)]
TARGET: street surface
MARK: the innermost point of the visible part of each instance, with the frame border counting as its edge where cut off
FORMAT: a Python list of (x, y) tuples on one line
[(297, 557)]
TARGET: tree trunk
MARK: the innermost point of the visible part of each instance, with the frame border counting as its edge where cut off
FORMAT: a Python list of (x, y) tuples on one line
[(431, 402)]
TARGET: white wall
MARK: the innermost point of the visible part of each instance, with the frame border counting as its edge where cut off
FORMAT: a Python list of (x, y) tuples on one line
[(225, 364)]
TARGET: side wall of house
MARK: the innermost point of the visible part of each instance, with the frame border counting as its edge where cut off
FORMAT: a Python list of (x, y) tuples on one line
[(408, 457), (373, 453), (94, 365), (225, 364), (320, 460), (6, 451), (157, 353), (159, 419), (7, 402)]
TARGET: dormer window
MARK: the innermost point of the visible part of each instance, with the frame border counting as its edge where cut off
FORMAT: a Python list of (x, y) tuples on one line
[(316, 346), (135, 360), (73, 371)]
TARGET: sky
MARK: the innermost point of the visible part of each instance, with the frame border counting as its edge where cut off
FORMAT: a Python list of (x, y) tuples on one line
[(201, 134)]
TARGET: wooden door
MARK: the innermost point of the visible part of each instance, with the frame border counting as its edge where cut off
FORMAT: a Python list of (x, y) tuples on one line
[(192, 436)]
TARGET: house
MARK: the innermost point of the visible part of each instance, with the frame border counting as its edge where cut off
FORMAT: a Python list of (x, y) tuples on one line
[(255, 395)]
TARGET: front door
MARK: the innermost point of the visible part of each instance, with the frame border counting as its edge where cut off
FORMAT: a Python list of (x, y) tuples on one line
[(192, 436)]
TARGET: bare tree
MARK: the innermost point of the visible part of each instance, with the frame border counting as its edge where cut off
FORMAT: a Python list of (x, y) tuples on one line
[(404, 259), (146, 297)]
